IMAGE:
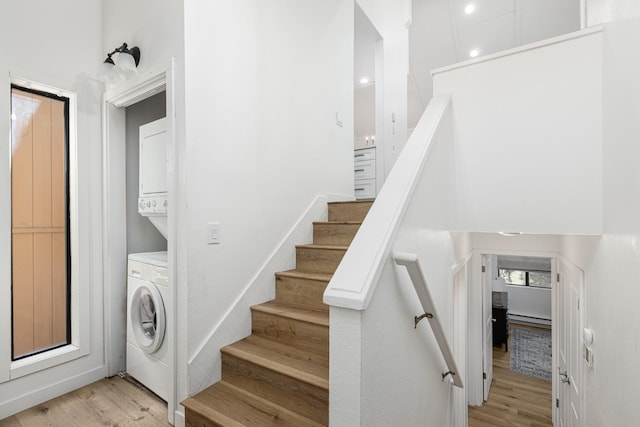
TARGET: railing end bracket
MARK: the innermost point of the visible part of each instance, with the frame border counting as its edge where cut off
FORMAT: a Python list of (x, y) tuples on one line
[(417, 319)]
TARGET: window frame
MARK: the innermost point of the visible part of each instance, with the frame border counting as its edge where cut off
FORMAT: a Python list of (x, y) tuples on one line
[(78, 298), (526, 280), (68, 260)]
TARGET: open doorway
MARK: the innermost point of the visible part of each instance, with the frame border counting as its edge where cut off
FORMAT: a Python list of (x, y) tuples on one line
[(368, 107), (514, 303)]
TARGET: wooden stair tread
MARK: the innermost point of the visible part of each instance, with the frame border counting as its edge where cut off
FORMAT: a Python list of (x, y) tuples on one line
[(338, 222), (309, 275), (302, 365), (347, 202), (294, 311), (326, 247), (228, 405)]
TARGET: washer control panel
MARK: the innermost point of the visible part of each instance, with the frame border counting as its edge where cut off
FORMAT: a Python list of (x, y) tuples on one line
[(153, 205)]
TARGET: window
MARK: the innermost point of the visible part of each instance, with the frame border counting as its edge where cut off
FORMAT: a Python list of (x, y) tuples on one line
[(40, 238), (540, 279)]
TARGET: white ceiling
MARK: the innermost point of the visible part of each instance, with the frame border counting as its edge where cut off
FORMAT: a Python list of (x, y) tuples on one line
[(442, 34)]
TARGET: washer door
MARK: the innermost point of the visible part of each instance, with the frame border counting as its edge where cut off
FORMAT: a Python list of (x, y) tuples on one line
[(147, 318)]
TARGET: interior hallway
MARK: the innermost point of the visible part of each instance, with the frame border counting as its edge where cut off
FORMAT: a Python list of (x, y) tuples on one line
[(514, 399)]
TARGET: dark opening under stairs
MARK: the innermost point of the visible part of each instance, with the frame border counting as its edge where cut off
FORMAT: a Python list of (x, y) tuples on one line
[(279, 375)]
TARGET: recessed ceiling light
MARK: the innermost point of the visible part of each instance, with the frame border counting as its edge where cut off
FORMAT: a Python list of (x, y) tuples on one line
[(474, 53), (364, 80), (510, 233), (469, 9)]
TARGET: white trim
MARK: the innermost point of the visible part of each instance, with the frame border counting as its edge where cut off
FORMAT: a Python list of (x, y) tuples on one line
[(462, 262), (5, 228), (520, 49), (139, 91), (114, 224), (80, 296)]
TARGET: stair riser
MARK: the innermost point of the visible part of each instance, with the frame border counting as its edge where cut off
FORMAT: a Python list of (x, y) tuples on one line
[(302, 398), (334, 234), (318, 259), (302, 335), (301, 291), (355, 211), (194, 419)]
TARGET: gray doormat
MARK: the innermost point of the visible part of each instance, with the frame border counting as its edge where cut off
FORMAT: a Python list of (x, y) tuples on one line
[(531, 352)]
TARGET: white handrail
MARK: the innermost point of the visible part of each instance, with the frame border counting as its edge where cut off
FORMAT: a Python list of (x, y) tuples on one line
[(410, 262)]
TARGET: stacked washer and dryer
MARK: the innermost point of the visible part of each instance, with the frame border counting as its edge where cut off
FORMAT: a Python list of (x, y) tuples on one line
[(148, 279)]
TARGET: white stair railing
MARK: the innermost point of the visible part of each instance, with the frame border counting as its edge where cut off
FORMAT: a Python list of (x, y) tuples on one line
[(410, 262)]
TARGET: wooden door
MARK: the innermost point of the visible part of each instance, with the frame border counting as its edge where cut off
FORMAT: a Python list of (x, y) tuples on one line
[(39, 223)]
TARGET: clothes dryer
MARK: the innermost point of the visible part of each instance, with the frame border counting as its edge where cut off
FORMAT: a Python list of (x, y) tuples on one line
[(147, 294)]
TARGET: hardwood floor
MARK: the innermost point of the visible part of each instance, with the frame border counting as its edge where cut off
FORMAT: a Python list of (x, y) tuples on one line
[(114, 402), (515, 399)]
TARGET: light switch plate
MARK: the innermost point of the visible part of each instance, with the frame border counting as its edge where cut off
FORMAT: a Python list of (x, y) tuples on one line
[(213, 233)]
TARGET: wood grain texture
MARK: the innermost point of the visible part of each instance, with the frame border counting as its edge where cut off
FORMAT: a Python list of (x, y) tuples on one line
[(22, 294), (319, 258), (301, 397), (109, 402), (304, 288), (349, 211), (334, 233), (305, 330), (514, 399), (247, 408)]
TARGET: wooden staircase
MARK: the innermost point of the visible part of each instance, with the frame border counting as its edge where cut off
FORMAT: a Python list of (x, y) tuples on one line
[(279, 375)]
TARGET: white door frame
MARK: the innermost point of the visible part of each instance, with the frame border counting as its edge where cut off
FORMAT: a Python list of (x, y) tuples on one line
[(487, 325), (581, 369), (461, 273), (114, 214), (474, 363)]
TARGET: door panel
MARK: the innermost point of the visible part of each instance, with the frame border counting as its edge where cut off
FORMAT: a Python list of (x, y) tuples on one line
[(487, 315), (569, 346)]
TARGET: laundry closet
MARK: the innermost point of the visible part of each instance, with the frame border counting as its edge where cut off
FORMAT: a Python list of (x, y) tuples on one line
[(147, 355)]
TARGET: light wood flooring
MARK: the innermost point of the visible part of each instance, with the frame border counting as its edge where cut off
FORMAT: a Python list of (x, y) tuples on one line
[(114, 402), (515, 400)]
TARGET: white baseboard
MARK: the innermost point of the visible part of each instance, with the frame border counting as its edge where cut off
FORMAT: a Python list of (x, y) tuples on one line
[(50, 391), (527, 320), (179, 419)]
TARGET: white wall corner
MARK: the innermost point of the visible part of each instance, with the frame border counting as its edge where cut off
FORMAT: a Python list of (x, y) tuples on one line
[(345, 370)]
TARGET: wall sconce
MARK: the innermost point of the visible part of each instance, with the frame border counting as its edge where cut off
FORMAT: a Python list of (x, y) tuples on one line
[(126, 61)]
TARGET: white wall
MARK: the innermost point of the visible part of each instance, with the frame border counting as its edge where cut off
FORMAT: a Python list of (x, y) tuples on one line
[(33, 36), (601, 11), (532, 305), (523, 118), (402, 366), (264, 83), (610, 262), (155, 26)]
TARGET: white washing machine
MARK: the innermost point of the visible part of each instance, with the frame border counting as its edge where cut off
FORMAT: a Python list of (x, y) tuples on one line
[(147, 294)]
